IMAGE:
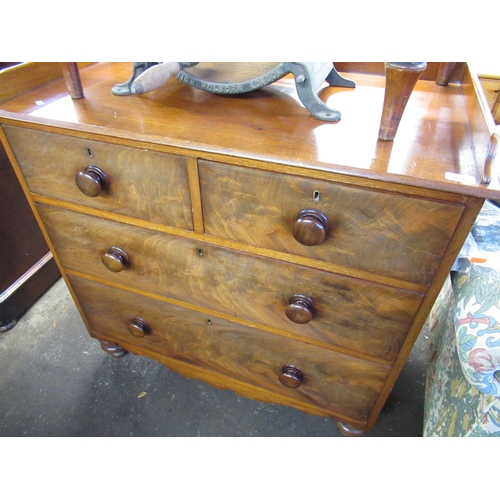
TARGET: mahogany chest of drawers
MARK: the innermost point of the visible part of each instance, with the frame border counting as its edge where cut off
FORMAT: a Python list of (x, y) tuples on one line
[(243, 242)]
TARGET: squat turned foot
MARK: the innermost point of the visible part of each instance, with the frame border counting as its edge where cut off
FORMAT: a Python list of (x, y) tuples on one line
[(113, 349), (348, 430)]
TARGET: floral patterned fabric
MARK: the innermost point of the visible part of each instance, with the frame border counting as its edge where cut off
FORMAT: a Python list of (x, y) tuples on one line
[(462, 383), (478, 328)]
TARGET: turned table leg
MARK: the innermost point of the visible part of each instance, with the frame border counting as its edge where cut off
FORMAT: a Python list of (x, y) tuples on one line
[(445, 72), (113, 349), (400, 79), (71, 75)]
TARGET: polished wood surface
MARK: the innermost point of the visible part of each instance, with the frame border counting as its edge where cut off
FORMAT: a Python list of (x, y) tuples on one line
[(310, 226), (491, 87), (239, 240), (235, 283), (445, 73), (71, 74), (380, 232), (22, 77), (276, 127), (400, 81), (332, 381), (484, 134), (92, 181), (143, 184), (431, 72)]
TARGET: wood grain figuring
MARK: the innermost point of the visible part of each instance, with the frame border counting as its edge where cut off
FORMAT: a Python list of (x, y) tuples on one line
[(236, 283), (143, 184), (275, 128), (471, 212), (338, 383), (261, 251), (239, 240), (397, 236), (31, 203)]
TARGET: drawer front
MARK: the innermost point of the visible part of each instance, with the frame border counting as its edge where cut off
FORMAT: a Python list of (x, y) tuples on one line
[(331, 381), (144, 184), (384, 233), (353, 314)]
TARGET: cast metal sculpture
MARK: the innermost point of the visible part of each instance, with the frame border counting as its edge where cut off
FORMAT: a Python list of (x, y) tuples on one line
[(237, 78)]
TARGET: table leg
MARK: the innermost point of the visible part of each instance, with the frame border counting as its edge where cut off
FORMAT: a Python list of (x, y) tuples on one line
[(400, 80), (71, 75)]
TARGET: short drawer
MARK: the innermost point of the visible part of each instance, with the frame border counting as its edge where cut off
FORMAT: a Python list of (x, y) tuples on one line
[(335, 382), (143, 184), (393, 235), (353, 314)]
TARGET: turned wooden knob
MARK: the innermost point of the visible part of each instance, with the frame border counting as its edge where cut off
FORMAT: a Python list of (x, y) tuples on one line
[(310, 227), (300, 309), (92, 181), (115, 259), (291, 376), (138, 328)]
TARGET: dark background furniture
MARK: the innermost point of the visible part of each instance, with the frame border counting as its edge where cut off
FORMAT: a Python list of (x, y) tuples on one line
[(27, 268)]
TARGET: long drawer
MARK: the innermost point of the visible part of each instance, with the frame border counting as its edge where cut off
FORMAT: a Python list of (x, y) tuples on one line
[(393, 235), (338, 383), (354, 314), (143, 184)]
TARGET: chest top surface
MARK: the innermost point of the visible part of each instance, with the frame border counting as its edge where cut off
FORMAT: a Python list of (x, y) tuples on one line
[(434, 147)]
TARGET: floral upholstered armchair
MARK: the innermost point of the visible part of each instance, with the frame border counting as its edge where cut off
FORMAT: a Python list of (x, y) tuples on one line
[(478, 328), (463, 375)]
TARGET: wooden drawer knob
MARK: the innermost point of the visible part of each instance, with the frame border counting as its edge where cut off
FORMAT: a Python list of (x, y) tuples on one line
[(138, 328), (291, 377), (300, 309), (310, 227), (92, 181), (115, 259)]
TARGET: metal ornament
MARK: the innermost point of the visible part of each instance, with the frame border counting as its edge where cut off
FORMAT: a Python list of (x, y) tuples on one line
[(309, 78)]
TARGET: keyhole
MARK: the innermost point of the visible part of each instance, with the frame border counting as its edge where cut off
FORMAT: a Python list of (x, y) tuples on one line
[(200, 252), (89, 152), (316, 195)]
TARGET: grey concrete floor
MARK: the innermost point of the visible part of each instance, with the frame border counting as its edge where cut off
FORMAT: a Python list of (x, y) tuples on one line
[(55, 380)]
